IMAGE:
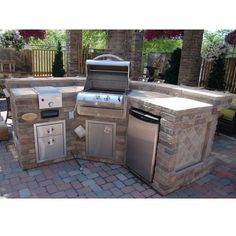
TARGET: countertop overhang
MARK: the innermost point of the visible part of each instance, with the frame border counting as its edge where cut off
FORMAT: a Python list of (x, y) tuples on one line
[(159, 100)]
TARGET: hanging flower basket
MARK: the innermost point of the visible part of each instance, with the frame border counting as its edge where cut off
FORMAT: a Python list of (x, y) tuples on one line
[(37, 34), (158, 34), (231, 38)]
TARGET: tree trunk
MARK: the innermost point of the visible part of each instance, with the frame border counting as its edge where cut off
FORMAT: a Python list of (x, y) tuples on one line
[(190, 63)]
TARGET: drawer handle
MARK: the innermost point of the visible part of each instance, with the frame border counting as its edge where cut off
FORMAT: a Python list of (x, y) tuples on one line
[(51, 141), (107, 130), (50, 130)]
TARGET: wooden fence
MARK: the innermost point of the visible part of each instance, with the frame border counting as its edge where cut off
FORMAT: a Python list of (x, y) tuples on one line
[(230, 75), (42, 60)]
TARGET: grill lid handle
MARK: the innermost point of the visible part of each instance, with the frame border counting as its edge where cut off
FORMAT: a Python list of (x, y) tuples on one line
[(108, 57)]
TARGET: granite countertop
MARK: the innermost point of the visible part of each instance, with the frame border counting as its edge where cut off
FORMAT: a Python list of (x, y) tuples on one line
[(159, 100), (44, 79), (169, 102), (29, 92), (182, 90)]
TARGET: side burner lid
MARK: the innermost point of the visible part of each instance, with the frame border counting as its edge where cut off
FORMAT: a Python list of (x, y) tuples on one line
[(47, 90)]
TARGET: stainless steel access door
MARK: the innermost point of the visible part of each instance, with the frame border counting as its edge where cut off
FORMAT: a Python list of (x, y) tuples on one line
[(100, 139), (142, 143)]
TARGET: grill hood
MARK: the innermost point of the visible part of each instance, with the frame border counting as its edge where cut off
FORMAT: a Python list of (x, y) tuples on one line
[(107, 72)]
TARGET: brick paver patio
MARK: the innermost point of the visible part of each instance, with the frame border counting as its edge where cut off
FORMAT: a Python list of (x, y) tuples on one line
[(85, 179)]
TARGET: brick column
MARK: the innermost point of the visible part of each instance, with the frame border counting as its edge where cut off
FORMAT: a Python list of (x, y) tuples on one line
[(190, 62), (119, 43), (73, 49), (128, 45), (137, 52)]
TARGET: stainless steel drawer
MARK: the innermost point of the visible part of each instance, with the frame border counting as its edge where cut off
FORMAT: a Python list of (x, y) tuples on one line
[(50, 140), (49, 130), (50, 148)]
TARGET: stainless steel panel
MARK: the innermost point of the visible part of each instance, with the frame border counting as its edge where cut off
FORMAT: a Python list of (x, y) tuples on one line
[(47, 90), (100, 139), (49, 101), (49, 97), (141, 147), (116, 82), (108, 63), (100, 99), (50, 148), (49, 130), (110, 74), (101, 112)]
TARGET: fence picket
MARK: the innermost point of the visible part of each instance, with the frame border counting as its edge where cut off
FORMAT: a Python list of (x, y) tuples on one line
[(42, 60), (230, 74)]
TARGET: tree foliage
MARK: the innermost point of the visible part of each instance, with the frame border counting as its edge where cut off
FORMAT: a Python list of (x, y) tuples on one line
[(161, 45), (11, 39), (213, 37), (51, 39), (94, 38), (57, 67)]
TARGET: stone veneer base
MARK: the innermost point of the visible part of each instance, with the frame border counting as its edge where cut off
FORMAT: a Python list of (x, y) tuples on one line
[(185, 138), (184, 177)]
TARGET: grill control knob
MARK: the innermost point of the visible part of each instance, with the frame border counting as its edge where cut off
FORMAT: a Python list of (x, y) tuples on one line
[(50, 104), (98, 97)]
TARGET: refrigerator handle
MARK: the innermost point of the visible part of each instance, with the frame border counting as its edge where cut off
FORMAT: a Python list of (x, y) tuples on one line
[(141, 116)]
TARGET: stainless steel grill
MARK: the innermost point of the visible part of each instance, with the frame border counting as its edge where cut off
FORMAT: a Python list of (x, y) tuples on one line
[(106, 84)]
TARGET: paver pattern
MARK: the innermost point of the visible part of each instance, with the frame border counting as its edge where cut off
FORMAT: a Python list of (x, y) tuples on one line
[(87, 179)]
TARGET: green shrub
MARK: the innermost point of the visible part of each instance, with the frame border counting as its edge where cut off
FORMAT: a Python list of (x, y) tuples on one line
[(57, 67), (216, 79), (172, 73)]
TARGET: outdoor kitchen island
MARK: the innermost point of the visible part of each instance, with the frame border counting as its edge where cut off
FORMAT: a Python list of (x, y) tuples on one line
[(187, 130)]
